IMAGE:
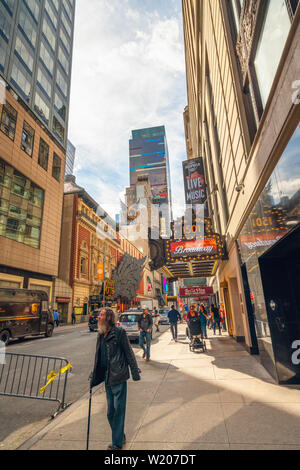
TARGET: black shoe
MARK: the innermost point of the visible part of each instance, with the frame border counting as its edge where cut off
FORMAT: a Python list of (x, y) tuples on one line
[(124, 440), (112, 447)]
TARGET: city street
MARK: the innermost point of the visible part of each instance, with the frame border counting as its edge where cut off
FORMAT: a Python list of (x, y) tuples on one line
[(21, 418)]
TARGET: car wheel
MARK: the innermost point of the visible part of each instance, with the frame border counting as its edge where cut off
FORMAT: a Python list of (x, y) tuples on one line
[(4, 336), (49, 331)]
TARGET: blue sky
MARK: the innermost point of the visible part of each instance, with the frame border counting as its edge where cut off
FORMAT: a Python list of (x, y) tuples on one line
[(128, 73)]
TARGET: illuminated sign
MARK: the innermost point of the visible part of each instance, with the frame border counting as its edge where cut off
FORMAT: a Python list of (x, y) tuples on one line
[(194, 181), (263, 240), (205, 248), (196, 291), (109, 290)]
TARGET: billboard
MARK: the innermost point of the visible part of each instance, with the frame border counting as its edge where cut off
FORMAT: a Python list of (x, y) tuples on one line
[(194, 181)]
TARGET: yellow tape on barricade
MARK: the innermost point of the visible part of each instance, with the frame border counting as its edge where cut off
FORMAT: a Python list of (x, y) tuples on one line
[(53, 376)]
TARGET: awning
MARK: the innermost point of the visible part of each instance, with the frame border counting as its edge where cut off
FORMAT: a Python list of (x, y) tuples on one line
[(190, 269)]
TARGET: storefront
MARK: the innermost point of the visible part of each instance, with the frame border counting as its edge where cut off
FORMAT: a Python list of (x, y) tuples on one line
[(269, 247), (63, 308)]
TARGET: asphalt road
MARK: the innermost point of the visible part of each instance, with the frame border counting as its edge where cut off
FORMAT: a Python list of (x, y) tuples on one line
[(21, 418)]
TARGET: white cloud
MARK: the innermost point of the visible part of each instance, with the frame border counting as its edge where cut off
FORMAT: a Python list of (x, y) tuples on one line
[(128, 73)]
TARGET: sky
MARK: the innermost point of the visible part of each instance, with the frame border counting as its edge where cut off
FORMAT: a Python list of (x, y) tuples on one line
[(128, 73)]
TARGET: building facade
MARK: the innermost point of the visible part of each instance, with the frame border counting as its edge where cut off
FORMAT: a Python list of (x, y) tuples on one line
[(149, 157), (243, 118), (32, 151)]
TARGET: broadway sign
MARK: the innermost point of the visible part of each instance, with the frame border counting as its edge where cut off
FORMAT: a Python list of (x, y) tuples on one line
[(196, 291), (191, 248), (194, 181)]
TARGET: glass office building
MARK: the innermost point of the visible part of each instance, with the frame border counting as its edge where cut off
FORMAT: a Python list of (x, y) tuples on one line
[(149, 157), (70, 158), (36, 41)]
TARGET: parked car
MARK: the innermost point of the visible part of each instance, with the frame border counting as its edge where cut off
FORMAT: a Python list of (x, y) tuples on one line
[(163, 313), (93, 320), (129, 321)]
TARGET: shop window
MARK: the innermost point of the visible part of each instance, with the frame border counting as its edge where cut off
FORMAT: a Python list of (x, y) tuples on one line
[(8, 121), (272, 40), (27, 139), (56, 167)]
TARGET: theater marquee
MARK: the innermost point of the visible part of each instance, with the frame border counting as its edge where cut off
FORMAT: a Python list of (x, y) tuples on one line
[(207, 248)]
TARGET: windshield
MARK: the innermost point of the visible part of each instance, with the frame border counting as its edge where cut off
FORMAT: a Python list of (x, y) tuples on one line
[(129, 318)]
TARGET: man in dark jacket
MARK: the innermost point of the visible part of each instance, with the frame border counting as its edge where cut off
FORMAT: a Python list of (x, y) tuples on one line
[(174, 317), (145, 324), (113, 358)]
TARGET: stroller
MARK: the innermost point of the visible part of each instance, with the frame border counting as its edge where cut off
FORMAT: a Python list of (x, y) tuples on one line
[(195, 334)]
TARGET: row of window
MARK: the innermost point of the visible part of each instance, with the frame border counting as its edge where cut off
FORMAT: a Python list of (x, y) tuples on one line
[(8, 126), (21, 207), (267, 48)]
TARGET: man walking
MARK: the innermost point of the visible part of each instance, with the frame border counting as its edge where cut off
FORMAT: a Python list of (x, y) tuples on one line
[(216, 318), (73, 317), (174, 317), (145, 324), (56, 317), (113, 358), (157, 316)]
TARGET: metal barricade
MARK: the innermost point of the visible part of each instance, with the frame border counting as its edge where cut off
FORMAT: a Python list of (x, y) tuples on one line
[(24, 375)]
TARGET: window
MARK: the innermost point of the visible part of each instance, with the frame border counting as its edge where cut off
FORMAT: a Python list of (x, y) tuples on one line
[(18, 76), (63, 60), (65, 40), (24, 53), (61, 82), (10, 4), (66, 24), (52, 15), (60, 106), (46, 58), (2, 55), (27, 25), (8, 121), (49, 34), (83, 266), (58, 128), (44, 82), (21, 203), (271, 44), (27, 139), (41, 107), (34, 7), (43, 154), (4, 26), (68, 9), (56, 167)]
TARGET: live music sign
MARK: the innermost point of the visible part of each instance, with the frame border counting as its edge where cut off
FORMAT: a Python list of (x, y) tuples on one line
[(196, 291)]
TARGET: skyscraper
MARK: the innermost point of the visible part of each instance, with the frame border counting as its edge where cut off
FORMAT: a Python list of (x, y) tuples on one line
[(36, 55), (36, 38), (70, 158), (149, 157)]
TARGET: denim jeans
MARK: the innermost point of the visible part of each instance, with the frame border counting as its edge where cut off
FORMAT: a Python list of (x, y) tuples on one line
[(147, 335), (174, 330), (116, 410), (217, 322), (203, 328)]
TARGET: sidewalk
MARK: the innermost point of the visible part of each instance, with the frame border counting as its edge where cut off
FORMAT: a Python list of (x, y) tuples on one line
[(223, 399)]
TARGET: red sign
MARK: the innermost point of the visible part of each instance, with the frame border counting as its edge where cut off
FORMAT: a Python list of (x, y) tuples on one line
[(203, 298), (63, 300), (263, 240), (196, 291), (186, 248)]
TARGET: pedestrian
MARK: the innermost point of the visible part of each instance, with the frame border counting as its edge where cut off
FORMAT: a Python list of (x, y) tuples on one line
[(114, 356), (203, 320), (73, 317), (174, 317), (223, 316), (191, 313), (216, 318), (157, 317), (145, 324), (56, 317)]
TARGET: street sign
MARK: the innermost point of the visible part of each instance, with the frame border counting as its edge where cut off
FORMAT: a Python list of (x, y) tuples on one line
[(196, 291)]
